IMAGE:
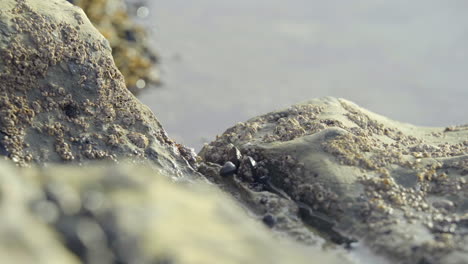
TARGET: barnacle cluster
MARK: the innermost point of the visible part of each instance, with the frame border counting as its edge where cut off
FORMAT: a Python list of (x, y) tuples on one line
[(61, 96)]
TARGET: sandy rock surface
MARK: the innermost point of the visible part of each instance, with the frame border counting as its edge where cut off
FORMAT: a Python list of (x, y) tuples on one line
[(62, 98), (355, 176), (130, 214)]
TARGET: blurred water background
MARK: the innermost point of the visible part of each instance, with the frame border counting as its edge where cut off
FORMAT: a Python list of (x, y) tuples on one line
[(226, 61)]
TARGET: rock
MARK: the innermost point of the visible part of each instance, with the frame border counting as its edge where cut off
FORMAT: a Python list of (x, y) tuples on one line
[(131, 51), (130, 214), (269, 220), (62, 98), (398, 189), (228, 169)]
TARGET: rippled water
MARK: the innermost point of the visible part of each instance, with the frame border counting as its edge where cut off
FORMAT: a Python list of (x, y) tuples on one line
[(227, 61)]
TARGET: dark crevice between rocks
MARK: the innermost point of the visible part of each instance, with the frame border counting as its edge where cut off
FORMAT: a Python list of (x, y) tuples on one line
[(318, 221), (323, 225)]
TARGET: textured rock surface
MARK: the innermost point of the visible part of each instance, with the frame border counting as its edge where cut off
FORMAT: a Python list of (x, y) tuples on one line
[(61, 96), (129, 214), (352, 174), (131, 52), (326, 166)]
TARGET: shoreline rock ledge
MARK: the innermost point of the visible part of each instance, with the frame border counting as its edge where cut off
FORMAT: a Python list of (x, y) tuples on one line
[(398, 189), (62, 99)]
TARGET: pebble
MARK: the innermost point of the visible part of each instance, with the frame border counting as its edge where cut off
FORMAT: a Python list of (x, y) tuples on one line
[(228, 169), (269, 220)]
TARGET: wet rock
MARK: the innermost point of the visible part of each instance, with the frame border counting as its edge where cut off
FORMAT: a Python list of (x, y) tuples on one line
[(398, 189), (130, 214), (228, 169), (269, 220), (62, 97)]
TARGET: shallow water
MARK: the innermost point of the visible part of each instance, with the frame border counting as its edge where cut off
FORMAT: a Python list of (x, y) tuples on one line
[(226, 61)]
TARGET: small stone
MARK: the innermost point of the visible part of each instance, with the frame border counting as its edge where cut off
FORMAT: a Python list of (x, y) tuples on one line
[(269, 220), (228, 169)]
